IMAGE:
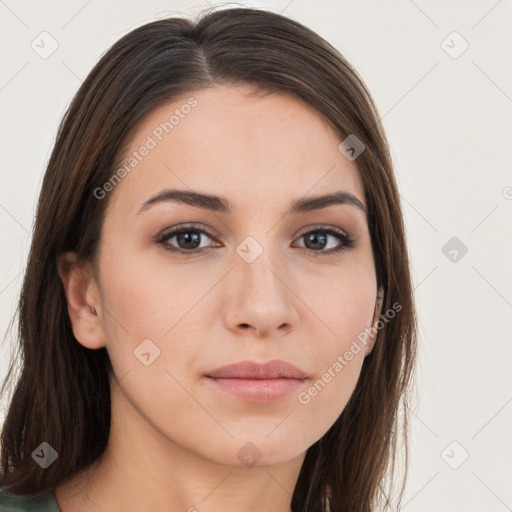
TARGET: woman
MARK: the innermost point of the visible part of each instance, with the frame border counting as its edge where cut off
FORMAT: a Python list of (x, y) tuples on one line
[(217, 311)]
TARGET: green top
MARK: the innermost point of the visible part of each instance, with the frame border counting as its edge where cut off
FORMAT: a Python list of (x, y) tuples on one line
[(17, 503)]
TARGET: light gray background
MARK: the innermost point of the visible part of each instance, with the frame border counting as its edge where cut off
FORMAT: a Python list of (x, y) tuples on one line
[(449, 123)]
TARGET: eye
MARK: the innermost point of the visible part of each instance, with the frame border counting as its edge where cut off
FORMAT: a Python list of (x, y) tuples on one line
[(188, 240), (318, 239)]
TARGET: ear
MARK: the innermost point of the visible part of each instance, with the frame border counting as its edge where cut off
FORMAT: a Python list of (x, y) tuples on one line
[(82, 296), (376, 316)]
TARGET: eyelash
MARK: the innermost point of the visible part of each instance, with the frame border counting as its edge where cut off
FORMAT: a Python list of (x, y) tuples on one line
[(347, 242)]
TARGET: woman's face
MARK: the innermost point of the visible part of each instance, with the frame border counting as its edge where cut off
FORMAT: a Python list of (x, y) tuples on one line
[(253, 282)]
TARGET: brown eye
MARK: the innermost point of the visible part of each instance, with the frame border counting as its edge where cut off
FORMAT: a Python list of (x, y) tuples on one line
[(317, 240), (188, 240)]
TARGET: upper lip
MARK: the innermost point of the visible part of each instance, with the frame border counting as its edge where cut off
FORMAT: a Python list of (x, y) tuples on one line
[(253, 370)]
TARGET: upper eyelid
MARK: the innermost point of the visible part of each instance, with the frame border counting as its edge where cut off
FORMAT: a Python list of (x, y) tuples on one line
[(176, 229), (345, 240), (173, 231)]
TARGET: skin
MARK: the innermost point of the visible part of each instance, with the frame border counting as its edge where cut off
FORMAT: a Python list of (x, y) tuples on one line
[(174, 436)]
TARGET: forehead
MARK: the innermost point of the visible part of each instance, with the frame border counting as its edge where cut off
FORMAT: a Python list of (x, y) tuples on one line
[(235, 141)]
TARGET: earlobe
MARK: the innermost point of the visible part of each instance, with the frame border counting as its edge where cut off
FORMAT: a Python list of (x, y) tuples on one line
[(82, 301), (379, 301), (378, 305)]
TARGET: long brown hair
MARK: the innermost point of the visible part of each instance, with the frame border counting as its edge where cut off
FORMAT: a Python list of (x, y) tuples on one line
[(62, 395)]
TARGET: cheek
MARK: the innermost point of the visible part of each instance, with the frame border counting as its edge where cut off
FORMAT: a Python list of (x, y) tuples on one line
[(150, 299), (321, 403), (340, 302), (149, 296), (343, 308)]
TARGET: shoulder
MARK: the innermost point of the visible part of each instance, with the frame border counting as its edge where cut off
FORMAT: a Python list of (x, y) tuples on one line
[(17, 503)]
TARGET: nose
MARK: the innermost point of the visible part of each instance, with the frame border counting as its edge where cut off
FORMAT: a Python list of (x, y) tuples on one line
[(260, 298)]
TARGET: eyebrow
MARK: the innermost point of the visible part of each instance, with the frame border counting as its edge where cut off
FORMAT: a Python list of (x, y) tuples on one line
[(222, 205)]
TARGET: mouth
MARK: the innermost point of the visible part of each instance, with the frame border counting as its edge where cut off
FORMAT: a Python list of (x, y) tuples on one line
[(258, 382), (275, 369), (258, 390)]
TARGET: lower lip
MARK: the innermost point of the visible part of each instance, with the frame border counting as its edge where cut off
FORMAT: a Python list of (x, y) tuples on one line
[(258, 390)]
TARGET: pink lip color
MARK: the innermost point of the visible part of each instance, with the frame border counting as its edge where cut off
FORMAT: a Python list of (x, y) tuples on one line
[(258, 390)]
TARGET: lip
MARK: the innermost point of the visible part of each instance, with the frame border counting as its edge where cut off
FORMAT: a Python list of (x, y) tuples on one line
[(274, 369), (256, 382), (257, 390)]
